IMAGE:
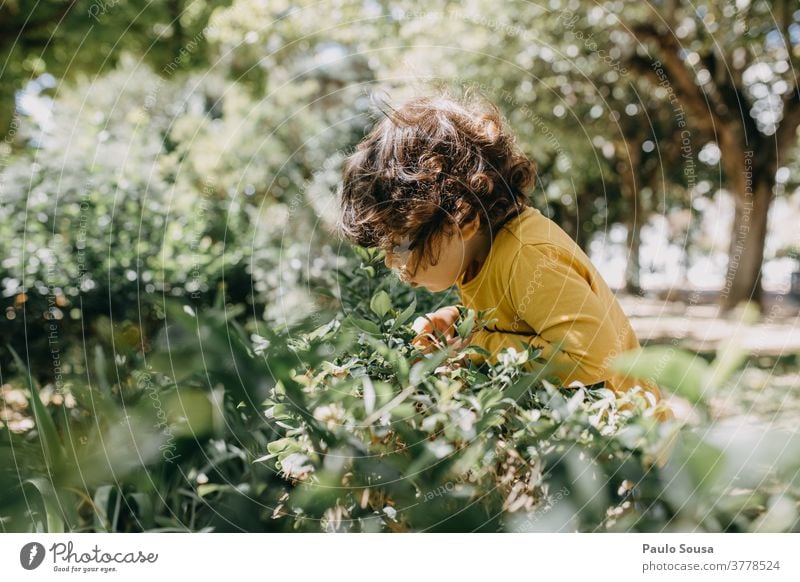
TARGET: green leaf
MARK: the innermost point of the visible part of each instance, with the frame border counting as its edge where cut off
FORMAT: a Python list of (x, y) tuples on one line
[(362, 325), (781, 515), (704, 461), (102, 498), (403, 411), (730, 355), (380, 304), (209, 488), (425, 366), (476, 349), (145, 509), (323, 329), (361, 252), (284, 446), (679, 370), (379, 346), (52, 504), (467, 324), (53, 451), (405, 315), (189, 412)]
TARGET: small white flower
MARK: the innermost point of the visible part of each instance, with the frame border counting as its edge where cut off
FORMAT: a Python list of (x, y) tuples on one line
[(332, 415)]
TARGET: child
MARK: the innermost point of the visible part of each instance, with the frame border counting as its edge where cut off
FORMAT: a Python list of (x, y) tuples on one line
[(439, 184)]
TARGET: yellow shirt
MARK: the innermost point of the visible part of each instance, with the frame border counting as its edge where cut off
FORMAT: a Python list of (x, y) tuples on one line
[(543, 289)]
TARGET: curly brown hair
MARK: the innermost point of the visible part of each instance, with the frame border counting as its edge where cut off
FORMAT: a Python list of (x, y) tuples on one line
[(428, 167)]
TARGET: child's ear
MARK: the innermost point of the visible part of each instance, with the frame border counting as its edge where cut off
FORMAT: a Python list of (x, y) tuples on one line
[(471, 228)]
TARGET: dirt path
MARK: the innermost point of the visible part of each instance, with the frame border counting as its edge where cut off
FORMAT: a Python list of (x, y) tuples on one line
[(698, 325)]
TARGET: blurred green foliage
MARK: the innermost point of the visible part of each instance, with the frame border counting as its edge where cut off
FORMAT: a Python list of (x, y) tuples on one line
[(345, 426)]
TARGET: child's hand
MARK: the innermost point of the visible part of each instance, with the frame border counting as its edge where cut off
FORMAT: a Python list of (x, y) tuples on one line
[(442, 321)]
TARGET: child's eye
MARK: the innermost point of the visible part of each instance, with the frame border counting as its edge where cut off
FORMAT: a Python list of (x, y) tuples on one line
[(402, 247), (399, 250)]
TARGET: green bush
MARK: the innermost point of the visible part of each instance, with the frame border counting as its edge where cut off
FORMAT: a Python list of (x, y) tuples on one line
[(345, 426)]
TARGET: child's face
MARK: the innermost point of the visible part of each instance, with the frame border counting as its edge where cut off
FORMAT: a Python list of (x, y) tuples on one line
[(456, 251)]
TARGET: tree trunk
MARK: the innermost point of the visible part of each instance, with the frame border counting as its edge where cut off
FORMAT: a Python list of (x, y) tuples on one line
[(746, 254), (633, 284), (584, 208), (571, 221), (630, 193)]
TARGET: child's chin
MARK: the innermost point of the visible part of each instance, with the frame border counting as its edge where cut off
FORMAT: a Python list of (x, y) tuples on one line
[(432, 288)]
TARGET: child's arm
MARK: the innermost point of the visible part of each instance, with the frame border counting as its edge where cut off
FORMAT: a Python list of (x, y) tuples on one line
[(554, 299)]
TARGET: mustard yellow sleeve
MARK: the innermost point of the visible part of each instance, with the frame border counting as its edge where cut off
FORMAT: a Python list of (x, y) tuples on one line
[(550, 294)]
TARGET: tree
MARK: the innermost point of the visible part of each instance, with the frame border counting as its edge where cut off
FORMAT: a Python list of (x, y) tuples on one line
[(67, 38), (734, 72)]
